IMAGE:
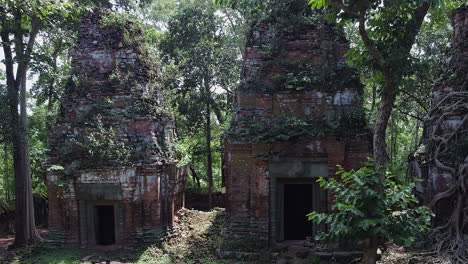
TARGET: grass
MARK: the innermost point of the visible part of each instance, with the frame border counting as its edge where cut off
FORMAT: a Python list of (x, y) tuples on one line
[(40, 255)]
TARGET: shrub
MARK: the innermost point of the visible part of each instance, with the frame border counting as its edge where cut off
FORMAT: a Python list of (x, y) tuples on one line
[(368, 209)]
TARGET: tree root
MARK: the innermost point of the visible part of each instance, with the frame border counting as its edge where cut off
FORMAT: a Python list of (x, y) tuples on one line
[(449, 238)]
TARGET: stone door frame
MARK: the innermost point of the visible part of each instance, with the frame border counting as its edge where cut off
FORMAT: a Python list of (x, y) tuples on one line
[(88, 219), (276, 190)]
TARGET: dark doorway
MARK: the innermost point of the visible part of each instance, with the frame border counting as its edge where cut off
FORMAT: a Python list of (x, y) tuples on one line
[(105, 225), (297, 204)]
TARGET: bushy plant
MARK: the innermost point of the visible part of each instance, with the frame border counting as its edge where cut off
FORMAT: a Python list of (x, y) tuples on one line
[(367, 209), (103, 147)]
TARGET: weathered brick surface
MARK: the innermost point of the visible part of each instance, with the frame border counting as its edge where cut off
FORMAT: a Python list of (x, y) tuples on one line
[(114, 81), (333, 89)]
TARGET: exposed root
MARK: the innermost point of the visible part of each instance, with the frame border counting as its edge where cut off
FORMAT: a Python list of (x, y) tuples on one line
[(449, 238), (447, 243)]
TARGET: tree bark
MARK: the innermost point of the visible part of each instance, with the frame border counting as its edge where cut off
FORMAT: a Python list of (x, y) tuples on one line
[(370, 251), (383, 114)]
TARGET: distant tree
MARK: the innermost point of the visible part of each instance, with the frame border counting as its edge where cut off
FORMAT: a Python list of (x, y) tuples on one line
[(51, 62), (198, 43)]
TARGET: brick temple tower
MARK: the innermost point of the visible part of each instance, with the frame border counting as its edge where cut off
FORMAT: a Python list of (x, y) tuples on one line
[(297, 116), (111, 174)]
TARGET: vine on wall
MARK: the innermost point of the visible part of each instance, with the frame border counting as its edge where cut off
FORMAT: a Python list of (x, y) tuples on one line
[(344, 125)]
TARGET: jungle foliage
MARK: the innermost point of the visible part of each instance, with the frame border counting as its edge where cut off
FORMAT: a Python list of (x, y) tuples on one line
[(361, 212), (199, 48)]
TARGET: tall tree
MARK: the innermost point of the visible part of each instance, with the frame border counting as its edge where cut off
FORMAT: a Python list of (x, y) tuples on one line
[(20, 23), (427, 58), (388, 31), (197, 42)]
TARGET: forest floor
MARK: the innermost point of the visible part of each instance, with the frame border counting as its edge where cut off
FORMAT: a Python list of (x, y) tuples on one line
[(194, 241)]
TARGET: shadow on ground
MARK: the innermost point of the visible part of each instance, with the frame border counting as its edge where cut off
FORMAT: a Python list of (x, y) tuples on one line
[(194, 240)]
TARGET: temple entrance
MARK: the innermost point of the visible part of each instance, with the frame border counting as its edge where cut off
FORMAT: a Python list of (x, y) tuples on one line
[(295, 192), (104, 224), (298, 202)]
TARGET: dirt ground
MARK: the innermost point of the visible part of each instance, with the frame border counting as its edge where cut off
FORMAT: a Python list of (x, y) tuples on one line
[(6, 241)]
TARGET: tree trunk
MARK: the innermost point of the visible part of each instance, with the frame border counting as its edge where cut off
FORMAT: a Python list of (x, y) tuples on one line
[(25, 163), (209, 158), (25, 229), (370, 251), (392, 136), (223, 164), (383, 114), (395, 139), (195, 176), (7, 172), (219, 116), (391, 78), (416, 134)]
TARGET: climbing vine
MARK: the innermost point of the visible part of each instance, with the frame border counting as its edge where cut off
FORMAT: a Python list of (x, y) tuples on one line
[(96, 146), (344, 125), (449, 153)]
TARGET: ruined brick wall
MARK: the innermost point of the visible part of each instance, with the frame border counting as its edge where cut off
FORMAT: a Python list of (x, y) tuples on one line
[(115, 82), (113, 142), (441, 165), (298, 114)]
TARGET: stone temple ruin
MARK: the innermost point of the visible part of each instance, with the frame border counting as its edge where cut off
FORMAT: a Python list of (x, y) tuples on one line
[(112, 177), (298, 115)]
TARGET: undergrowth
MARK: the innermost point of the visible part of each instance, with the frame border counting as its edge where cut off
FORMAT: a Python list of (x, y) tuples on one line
[(193, 241)]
